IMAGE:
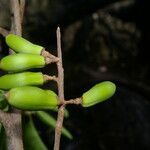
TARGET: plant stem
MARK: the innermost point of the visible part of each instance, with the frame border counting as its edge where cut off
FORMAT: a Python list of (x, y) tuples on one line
[(60, 68), (12, 121), (14, 132), (49, 78), (3, 31), (15, 8), (51, 58), (22, 7), (76, 101), (60, 83)]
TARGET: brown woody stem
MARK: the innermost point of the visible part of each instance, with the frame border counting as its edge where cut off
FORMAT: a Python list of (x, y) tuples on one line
[(22, 7), (49, 57), (12, 121), (60, 84), (49, 78), (76, 101), (3, 31)]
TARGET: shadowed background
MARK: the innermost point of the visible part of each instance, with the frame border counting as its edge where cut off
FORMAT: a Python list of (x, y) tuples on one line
[(101, 40)]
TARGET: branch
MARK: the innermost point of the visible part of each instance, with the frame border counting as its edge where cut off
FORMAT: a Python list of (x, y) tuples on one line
[(12, 121), (60, 83), (22, 7), (13, 131), (60, 67), (3, 31), (58, 127), (15, 116), (2, 117), (76, 101), (15, 7)]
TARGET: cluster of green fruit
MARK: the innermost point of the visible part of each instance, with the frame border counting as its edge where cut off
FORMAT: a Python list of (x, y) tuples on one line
[(23, 93)]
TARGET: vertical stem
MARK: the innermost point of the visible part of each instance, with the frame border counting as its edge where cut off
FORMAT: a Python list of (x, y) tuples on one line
[(13, 131), (60, 83), (13, 120), (15, 6), (22, 7), (58, 127), (60, 68)]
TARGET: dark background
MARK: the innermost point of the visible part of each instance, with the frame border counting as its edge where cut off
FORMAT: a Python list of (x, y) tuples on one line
[(101, 40)]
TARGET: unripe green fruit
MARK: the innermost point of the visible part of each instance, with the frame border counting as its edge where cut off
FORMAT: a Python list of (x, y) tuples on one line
[(98, 93), (31, 98), (20, 62), (9, 81), (21, 45)]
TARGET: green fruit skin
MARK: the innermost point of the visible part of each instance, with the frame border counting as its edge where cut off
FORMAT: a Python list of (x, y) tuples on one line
[(21, 45), (20, 62), (32, 98), (98, 93), (21, 79)]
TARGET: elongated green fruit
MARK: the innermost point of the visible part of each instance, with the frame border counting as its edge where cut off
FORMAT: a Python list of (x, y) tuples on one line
[(21, 45), (98, 93), (9, 81), (20, 62), (31, 98)]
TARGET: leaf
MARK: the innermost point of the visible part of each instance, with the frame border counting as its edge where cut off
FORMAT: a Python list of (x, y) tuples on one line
[(32, 140), (50, 121), (2, 138)]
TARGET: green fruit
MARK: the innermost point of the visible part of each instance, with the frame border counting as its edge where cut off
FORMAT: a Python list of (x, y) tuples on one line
[(98, 93), (21, 45), (20, 62), (31, 98), (21, 79)]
